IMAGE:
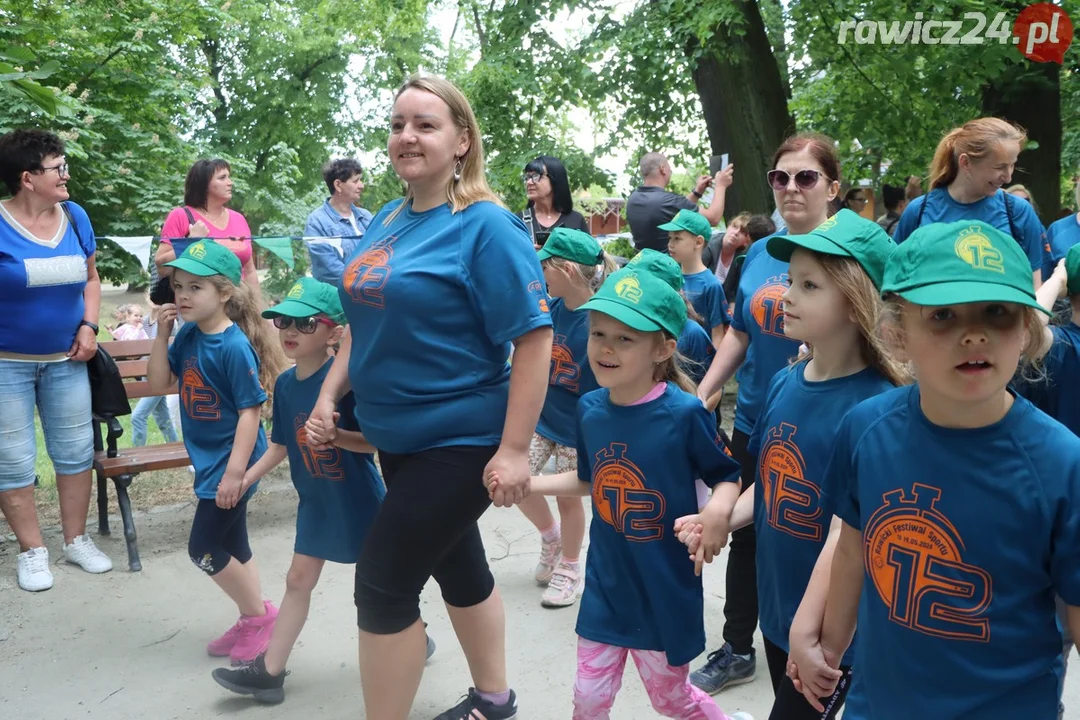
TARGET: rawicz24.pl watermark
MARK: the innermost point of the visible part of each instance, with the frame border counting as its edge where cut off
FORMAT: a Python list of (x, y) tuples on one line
[(1042, 32)]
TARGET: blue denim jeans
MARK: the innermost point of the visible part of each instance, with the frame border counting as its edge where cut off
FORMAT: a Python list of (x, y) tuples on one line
[(61, 393), (139, 417)]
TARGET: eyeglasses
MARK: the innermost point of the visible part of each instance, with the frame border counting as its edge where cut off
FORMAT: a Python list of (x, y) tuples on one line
[(533, 177), (805, 179), (61, 170), (304, 325)]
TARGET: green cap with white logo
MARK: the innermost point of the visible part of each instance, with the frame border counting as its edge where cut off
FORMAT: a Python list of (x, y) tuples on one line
[(961, 262), (845, 234), (307, 298), (205, 258), (658, 264), (690, 221), (641, 301)]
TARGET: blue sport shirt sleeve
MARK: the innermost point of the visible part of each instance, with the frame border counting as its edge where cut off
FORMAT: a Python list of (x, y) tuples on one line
[(754, 445), (839, 483), (716, 304), (1065, 560), (1033, 232), (278, 431), (707, 453), (584, 470), (736, 311), (242, 369), (505, 279), (906, 224), (87, 239)]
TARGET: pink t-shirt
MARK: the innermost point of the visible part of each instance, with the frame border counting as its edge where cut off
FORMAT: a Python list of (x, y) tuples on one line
[(130, 332), (176, 226), (701, 488)]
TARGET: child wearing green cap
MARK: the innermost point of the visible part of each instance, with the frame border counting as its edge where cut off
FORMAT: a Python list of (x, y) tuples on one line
[(642, 440), (832, 304), (223, 359), (339, 487), (574, 267), (958, 498), (689, 232), (694, 351)]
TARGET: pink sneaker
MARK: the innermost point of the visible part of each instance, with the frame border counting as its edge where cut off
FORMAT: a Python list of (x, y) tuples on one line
[(223, 646), (255, 635)]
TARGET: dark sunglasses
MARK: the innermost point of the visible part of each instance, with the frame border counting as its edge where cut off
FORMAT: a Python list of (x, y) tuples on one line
[(533, 177), (805, 179), (304, 325)]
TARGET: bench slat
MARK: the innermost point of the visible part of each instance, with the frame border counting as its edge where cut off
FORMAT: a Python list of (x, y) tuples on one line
[(131, 368), (142, 459), (128, 349)]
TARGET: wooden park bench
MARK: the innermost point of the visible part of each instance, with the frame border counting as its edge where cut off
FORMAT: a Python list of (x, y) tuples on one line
[(122, 465)]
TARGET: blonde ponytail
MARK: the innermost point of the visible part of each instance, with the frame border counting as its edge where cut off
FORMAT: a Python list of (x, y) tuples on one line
[(975, 139)]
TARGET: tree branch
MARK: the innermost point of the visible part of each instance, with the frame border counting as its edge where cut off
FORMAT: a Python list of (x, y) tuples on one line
[(479, 28)]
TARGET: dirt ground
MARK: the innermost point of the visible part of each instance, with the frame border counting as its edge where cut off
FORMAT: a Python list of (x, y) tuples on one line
[(132, 645)]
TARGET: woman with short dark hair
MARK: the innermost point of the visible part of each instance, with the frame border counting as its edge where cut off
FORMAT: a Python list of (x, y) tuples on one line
[(340, 216), (50, 295), (550, 204), (208, 188)]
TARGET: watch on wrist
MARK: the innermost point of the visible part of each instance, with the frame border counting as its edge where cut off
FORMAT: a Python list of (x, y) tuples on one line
[(695, 193), (92, 326)]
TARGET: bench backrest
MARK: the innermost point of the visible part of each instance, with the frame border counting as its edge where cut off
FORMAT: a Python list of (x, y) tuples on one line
[(132, 357)]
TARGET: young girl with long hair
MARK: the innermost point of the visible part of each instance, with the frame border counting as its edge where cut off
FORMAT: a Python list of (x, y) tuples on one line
[(223, 358)]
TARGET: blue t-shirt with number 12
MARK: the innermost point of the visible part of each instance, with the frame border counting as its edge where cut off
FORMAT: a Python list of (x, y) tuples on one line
[(642, 461), (968, 534), (219, 377), (340, 491)]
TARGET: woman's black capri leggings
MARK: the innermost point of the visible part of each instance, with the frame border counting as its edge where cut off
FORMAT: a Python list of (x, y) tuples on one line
[(425, 528)]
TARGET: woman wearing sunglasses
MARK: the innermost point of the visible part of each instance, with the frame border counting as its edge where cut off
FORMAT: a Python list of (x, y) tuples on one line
[(550, 205), (805, 180)]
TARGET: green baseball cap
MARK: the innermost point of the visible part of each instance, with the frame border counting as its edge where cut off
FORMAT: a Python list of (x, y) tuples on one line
[(1072, 269), (205, 258), (659, 265), (960, 262), (307, 298), (845, 234), (573, 245), (690, 221), (642, 301)]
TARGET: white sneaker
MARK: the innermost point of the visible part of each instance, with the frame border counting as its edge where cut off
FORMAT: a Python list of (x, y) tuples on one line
[(564, 588), (83, 552), (34, 573), (550, 552)]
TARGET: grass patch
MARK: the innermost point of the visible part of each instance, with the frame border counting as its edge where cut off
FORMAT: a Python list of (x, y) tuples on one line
[(43, 465)]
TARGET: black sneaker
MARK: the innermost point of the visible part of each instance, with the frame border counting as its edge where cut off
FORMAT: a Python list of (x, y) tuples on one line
[(723, 669), (472, 704), (252, 679)]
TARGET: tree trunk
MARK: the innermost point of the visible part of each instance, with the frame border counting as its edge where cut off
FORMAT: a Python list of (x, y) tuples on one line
[(744, 100), (1030, 96)]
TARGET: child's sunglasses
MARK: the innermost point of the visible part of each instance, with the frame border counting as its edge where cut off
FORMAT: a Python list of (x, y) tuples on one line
[(805, 179), (304, 325)]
